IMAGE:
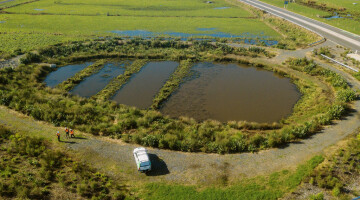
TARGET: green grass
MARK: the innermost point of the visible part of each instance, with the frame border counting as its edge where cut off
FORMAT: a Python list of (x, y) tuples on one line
[(42, 30), (348, 4), (95, 25), (134, 8), (78, 20), (26, 41), (31, 168), (351, 25), (271, 187), (13, 3)]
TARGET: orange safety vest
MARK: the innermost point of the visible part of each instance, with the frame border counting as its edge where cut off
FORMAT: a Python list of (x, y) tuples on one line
[(58, 134), (66, 130), (72, 132)]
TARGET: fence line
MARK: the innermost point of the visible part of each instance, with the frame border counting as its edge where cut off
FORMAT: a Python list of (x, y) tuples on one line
[(342, 64)]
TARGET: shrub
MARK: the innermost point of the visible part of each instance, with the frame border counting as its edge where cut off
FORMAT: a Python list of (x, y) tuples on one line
[(336, 111), (346, 95), (336, 191), (319, 196), (30, 58)]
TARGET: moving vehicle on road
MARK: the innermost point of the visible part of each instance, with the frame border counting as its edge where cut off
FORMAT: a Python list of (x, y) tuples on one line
[(142, 159)]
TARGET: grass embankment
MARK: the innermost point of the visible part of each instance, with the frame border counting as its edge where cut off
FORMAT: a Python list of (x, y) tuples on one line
[(31, 168), (173, 83), (22, 89), (293, 36), (119, 81), (321, 9), (271, 187), (78, 77)]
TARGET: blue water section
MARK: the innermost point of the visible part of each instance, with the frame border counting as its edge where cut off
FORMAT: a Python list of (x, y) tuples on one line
[(2, 22), (206, 29), (221, 8), (95, 83), (334, 17), (5, 1), (143, 33), (143, 86), (38, 9), (64, 73), (247, 38)]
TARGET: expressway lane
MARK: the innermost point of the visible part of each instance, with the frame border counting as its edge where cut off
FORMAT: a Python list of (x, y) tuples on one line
[(334, 34)]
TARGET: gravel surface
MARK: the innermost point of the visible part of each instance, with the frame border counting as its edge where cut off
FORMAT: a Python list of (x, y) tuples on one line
[(14, 62)]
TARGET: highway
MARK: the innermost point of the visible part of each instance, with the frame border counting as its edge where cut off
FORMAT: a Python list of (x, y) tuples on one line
[(331, 33)]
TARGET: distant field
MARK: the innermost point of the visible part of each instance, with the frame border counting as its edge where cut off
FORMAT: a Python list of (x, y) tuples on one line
[(105, 24), (349, 23), (9, 3), (348, 4), (140, 7), (53, 21)]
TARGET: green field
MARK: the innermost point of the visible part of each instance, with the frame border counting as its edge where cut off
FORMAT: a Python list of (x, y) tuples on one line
[(327, 8), (184, 8), (61, 21)]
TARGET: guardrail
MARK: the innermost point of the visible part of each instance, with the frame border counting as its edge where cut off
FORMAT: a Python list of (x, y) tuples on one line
[(317, 42), (337, 62), (292, 21)]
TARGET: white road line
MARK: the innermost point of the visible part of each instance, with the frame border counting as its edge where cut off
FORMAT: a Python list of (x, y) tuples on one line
[(311, 24)]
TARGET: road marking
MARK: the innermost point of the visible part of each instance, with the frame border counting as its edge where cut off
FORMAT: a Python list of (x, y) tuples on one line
[(338, 35)]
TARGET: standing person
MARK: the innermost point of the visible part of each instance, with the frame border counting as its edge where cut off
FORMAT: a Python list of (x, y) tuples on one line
[(72, 133), (286, 3), (67, 132), (58, 135)]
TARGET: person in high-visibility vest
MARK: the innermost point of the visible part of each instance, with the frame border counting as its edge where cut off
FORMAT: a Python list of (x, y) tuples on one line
[(58, 135), (72, 133), (67, 132)]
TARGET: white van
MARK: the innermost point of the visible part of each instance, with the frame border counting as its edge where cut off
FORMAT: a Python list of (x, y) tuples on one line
[(142, 159)]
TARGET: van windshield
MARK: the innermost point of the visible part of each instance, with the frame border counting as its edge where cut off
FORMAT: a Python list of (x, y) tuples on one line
[(144, 164)]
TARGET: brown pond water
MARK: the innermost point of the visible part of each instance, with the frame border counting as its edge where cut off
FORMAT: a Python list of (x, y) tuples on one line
[(143, 86), (227, 92)]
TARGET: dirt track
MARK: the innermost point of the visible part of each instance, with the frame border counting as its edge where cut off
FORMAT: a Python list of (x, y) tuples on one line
[(113, 156)]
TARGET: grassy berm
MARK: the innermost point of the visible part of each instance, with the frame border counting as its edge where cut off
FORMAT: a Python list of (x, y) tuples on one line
[(32, 168)]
